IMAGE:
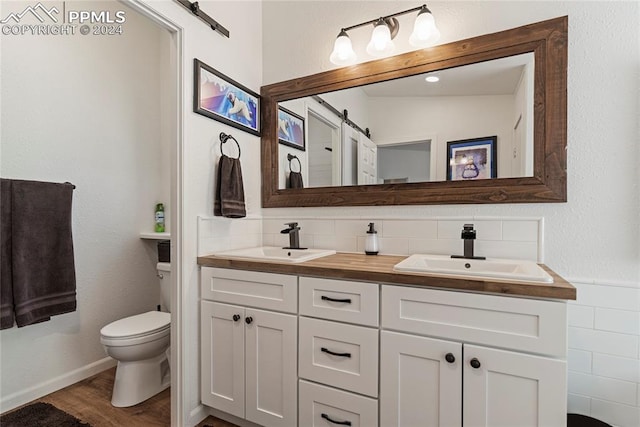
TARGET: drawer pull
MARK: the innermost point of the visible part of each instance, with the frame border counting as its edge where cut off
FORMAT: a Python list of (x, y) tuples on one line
[(450, 358), (248, 320), (342, 423), (326, 350), (344, 300), (236, 317), (475, 363)]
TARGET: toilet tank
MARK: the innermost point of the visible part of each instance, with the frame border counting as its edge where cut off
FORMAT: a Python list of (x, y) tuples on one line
[(164, 276)]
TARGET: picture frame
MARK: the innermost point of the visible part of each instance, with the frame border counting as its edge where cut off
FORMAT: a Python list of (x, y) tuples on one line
[(223, 99), (291, 129), (471, 159)]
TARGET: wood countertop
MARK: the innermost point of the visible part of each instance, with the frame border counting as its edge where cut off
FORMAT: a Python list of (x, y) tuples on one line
[(379, 269)]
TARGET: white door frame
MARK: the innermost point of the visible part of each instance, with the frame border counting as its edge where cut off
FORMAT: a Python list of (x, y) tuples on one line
[(178, 399), (322, 113)]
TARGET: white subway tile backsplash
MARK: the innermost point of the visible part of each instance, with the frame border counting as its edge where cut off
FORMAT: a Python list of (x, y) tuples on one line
[(338, 243), (512, 250), (451, 229), (317, 226), (622, 368), (605, 296), (602, 388), (488, 230), (580, 315), (603, 342), (356, 227), (578, 404), (520, 230), (627, 322), (410, 229), (579, 360), (433, 246), (615, 413)]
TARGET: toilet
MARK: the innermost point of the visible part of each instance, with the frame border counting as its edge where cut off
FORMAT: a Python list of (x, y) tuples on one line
[(140, 344)]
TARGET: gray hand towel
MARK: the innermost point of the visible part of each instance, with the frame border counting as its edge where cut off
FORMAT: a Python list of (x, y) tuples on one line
[(229, 197), (6, 283), (44, 279), (295, 180)]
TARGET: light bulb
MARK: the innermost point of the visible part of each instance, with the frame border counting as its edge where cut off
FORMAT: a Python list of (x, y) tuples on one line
[(425, 32), (380, 43), (343, 53), (432, 79)]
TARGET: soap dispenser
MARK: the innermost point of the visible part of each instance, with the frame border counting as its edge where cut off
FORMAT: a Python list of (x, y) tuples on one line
[(371, 246)]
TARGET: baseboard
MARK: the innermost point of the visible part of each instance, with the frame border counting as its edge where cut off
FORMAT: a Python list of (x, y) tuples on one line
[(231, 418), (32, 393), (197, 415)]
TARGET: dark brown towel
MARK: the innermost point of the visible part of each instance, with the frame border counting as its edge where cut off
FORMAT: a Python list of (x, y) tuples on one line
[(44, 278), (229, 197), (295, 180), (6, 284)]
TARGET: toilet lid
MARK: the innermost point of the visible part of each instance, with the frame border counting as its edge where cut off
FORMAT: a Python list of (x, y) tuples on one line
[(141, 324)]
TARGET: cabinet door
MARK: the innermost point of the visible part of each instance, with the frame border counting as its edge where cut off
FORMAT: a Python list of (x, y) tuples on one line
[(271, 368), (222, 357), (418, 386), (503, 388)]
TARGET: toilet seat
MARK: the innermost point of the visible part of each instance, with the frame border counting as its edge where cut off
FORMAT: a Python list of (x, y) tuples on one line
[(139, 328)]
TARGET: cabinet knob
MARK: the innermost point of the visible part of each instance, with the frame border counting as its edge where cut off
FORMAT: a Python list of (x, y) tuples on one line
[(475, 363), (248, 320), (236, 317), (450, 357)]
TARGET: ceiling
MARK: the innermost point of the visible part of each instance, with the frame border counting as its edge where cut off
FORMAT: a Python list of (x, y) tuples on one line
[(496, 77)]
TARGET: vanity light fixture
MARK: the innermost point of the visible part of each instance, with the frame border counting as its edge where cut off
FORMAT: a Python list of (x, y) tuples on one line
[(425, 33)]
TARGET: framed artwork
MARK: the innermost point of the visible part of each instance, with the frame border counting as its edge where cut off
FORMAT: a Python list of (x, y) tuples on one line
[(472, 159), (220, 98), (290, 129)]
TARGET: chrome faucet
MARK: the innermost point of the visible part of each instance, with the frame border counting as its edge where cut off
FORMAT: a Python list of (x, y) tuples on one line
[(294, 235), (468, 235)]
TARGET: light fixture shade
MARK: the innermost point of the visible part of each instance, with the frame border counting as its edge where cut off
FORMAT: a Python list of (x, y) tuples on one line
[(425, 32), (380, 44), (343, 53)]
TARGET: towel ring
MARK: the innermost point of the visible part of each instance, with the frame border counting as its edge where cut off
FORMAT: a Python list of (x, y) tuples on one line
[(291, 157), (224, 138)]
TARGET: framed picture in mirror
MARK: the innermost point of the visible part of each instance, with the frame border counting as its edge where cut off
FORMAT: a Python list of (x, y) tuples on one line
[(220, 98), (470, 159), (291, 129)]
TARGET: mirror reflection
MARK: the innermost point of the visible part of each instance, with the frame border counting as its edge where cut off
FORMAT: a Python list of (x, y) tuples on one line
[(413, 130)]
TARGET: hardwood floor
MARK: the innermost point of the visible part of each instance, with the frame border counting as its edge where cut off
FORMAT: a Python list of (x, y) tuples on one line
[(90, 401)]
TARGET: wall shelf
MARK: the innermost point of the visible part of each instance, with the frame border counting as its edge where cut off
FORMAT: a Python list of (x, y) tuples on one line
[(155, 236)]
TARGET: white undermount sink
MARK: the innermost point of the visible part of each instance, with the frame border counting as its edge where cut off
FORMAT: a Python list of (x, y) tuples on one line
[(492, 268), (273, 253)]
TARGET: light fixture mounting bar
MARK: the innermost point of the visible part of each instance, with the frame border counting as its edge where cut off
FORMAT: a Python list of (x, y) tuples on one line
[(384, 18), (212, 23)]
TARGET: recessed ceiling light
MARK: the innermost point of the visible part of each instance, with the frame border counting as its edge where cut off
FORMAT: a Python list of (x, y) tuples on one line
[(432, 79)]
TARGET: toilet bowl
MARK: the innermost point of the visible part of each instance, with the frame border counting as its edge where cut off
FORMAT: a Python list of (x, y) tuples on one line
[(140, 344)]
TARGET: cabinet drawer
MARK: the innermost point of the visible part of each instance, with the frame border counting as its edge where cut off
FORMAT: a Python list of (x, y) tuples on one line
[(353, 302), (322, 406), (255, 289), (513, 323), (339, 355)]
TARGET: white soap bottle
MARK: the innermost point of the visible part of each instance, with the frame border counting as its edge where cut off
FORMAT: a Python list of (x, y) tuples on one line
[(371, 246)]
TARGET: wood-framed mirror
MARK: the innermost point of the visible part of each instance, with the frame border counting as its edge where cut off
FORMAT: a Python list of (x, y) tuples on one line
[(546, 180)]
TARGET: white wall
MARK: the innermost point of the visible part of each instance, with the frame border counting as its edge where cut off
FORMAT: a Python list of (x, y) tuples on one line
[(593, 239), (240, 58), (441, 118), (85, 109)]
